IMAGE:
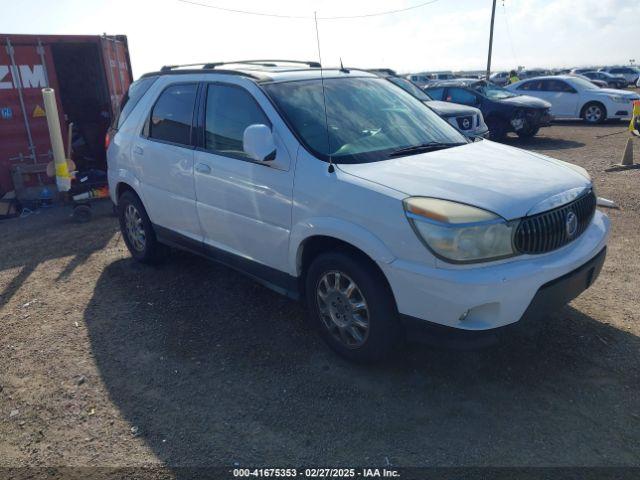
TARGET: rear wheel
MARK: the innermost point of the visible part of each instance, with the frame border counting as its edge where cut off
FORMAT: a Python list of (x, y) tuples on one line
[(137, 230), (352, 306), (594, 112)]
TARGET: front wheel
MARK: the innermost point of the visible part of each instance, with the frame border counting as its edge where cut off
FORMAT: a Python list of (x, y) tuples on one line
[(528, 131), (352, 306), (594, 113), (498, 129)]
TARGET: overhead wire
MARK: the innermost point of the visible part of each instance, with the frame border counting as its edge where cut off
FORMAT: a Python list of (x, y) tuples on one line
[(306, 17)]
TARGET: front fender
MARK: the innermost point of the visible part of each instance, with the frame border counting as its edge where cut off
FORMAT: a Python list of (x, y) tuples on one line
[(348, 232)]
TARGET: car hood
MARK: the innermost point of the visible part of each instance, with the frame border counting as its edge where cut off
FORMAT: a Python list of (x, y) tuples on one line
[(502, 179), (618, 93), (447, 109), (526, 101)]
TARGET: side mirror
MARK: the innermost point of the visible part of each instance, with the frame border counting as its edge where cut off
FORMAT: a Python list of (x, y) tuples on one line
[(258, 143)]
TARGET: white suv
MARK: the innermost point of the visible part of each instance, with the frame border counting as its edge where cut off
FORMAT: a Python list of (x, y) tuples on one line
[(341, 189)]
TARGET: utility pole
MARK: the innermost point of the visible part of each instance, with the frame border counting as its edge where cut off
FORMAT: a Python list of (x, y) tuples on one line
[(493, 16)]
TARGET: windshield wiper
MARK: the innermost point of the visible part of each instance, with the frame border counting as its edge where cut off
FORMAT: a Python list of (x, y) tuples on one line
[(423, 147)]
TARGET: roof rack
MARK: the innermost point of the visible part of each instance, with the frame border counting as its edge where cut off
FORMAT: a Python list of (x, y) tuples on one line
[(262, 63)]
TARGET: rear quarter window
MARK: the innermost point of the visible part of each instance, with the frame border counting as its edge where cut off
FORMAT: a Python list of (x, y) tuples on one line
[(436, 93), (130, 99)]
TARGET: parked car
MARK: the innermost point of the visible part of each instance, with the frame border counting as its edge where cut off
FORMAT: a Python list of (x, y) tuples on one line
[(531, 73), (419, 79), (503, 111), (573, 97), (596, 82), (500, 78), (468, 120), (613, 81), (341, 189), (580, 71), (638, 83), (630, 73)]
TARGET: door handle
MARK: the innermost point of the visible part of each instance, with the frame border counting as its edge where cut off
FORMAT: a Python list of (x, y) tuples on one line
[(138, 150), (203, 168)]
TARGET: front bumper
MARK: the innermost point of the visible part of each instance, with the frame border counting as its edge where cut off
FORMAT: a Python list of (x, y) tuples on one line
[(483, 298)]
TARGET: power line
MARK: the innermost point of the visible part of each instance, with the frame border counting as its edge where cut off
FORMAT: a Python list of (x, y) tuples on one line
[(277, 15), (506, 21)]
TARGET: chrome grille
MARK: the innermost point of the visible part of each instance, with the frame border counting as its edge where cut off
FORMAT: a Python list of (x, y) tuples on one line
[(548, 231)]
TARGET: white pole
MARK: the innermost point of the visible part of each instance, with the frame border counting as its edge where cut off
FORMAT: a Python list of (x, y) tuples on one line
[(63, 180)]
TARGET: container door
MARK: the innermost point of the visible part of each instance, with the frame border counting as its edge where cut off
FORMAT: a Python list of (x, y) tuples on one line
[(116, 64), (26, 66)]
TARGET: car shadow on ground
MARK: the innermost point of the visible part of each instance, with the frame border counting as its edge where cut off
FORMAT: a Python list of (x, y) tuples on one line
[(542, 143), (26, 243), (214, 369)]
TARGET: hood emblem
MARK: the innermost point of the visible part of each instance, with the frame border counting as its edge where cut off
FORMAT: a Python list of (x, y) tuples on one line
[(571, 224), (466, 123)]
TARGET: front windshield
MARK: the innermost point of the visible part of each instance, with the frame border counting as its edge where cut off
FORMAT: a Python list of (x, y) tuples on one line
[(368, 118), (412, 88), (493, 92)]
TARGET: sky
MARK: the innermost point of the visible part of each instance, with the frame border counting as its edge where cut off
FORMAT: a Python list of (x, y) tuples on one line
[(444, 35)]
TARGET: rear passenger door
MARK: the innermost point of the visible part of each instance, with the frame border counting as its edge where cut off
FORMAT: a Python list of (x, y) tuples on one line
[(244, 205), (165, 152)]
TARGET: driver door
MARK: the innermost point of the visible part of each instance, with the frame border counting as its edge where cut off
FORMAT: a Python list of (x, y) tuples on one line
[(244, 206)]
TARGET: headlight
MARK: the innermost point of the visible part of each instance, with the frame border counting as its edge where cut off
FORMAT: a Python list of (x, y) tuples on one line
[(618, 99), (460, 233)]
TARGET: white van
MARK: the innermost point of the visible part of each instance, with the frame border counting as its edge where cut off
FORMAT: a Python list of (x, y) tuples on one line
[(338, 188)]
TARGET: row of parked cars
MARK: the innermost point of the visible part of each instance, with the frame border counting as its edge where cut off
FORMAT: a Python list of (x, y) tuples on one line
[(613, 77), (336, 187)]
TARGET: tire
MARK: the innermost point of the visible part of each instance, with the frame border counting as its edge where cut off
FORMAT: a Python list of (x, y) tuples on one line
[(82, 213), (594, 113), (137, 230), (528, 132), (361, 324), (498, 129)]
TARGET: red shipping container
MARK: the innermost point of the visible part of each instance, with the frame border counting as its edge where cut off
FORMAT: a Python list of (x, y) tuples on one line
[(90, 74)]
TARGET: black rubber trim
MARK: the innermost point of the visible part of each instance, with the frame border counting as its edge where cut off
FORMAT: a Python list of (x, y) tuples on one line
[(550, 297), (272, 278)]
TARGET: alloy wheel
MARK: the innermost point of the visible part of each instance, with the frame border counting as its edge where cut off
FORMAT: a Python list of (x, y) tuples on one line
[(343, 309), (593, 114), (135, 228)]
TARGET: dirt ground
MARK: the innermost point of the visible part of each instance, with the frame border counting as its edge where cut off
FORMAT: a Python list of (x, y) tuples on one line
[(107, 362)]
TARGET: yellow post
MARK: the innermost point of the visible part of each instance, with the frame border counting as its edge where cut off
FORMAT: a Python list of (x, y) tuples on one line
[(63, 179), (635, 118)]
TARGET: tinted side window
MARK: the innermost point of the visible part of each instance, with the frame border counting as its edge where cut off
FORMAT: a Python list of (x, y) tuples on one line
[(533, 85), (230, 110), (556, 86), (459, 95), (130, 99), (172, 114), (435, 93)]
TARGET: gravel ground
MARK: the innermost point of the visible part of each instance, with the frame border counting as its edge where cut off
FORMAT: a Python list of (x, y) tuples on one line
[(107, 362)]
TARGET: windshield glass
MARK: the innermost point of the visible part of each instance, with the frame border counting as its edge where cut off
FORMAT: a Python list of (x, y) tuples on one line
[(493, 92), (583, 83), (368, 118), (412, 88)]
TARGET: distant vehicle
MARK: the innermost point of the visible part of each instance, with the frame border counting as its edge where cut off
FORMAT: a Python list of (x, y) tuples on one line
[(612, 81), (503, 111), (638, 83), (598, 83), (580, 71), (419, 79), (500, 78), (468, 120), (426, 78), (630, 73), (574, 97), (532, 73)]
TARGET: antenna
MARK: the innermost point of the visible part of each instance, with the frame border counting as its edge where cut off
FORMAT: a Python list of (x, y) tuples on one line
[(324, 96)]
